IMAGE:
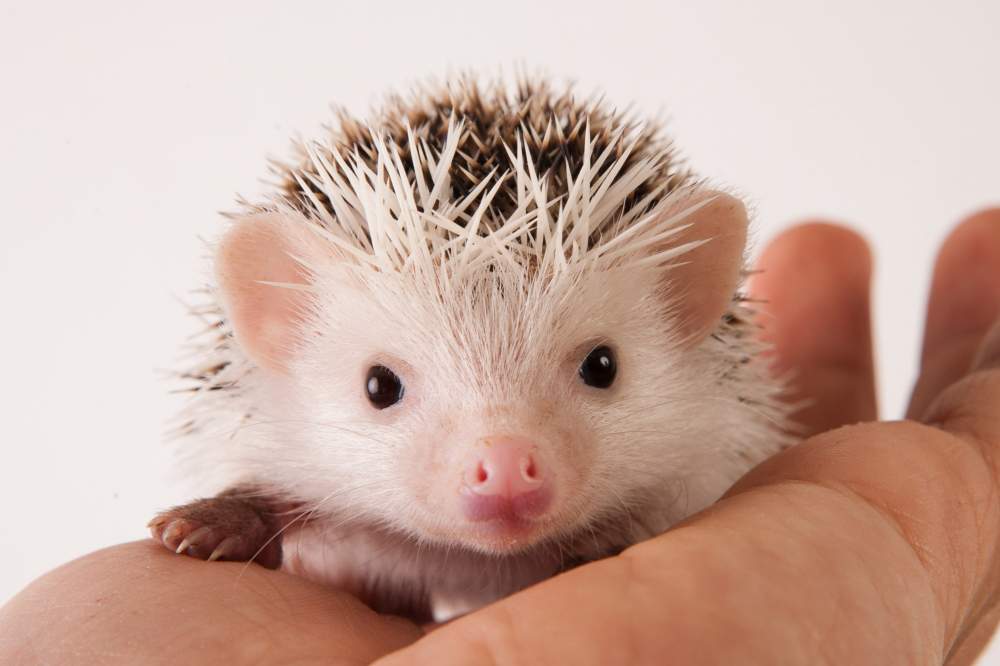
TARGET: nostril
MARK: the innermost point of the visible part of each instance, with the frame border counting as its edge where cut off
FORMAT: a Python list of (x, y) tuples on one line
[(528, 469)]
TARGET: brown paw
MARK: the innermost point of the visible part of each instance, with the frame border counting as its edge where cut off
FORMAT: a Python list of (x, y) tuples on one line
[(220, 528)]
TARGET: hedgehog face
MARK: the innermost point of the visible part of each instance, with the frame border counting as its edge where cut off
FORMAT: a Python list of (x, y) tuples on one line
[(473, 405), (488, 321), (477, 414)]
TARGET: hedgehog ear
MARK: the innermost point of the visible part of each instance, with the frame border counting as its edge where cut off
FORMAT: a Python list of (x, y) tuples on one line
[(704, 282), (257, 266)]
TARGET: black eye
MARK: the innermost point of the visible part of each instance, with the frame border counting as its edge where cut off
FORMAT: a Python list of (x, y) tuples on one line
[(599, 368), (383, 387)]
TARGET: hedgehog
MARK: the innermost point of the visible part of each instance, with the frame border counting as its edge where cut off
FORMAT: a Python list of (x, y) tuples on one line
[(491, 333)]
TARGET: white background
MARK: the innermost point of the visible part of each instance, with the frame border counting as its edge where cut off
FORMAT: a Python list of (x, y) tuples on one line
[(124, 128)]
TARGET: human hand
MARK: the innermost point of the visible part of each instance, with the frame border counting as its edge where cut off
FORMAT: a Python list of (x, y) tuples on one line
[(872, 543)]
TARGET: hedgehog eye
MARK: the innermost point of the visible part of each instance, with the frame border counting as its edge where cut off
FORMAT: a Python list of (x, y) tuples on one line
[(383, 387), (599, 368)]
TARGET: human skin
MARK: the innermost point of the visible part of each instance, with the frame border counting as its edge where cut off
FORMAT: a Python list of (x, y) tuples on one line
[(867, 543)]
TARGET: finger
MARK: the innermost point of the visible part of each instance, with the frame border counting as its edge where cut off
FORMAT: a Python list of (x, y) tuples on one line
[(939, 486), (964, 301), (137, 603), (815, 282)]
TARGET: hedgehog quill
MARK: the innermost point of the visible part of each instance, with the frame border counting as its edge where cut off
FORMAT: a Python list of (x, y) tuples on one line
[(490, 334)]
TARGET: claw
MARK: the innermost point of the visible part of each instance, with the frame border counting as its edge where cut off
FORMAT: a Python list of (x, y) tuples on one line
[(224, 548), (174, 530), (192, 539)]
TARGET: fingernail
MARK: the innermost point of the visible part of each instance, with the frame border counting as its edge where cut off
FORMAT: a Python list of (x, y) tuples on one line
[(988, 356)]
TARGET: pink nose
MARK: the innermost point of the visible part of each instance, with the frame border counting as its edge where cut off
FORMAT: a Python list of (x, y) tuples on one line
[(505, 466), (505, 479)]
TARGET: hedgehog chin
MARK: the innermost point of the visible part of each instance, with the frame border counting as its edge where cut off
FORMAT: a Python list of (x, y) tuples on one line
[(503, 544), (495, 538)]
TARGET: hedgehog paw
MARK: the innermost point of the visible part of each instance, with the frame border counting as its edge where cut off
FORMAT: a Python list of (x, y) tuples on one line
[(220, 528)]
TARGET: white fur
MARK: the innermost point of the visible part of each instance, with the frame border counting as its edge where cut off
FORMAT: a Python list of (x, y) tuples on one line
[(486, 321)]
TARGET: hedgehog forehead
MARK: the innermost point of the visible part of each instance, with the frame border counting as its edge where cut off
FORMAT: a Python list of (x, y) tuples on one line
[(495, 298), (493, 324)]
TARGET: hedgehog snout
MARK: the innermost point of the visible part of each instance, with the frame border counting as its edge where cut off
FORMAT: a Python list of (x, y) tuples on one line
[(505, 480)]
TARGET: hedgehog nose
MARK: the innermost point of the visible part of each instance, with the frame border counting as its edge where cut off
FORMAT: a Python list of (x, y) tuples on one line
[(503, 466), (504, 478)]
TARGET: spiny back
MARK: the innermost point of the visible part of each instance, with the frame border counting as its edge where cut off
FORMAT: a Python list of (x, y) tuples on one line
[(553, 126)]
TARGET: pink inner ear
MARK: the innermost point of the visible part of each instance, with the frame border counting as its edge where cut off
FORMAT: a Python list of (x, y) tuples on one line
[(266, 318), (703, 287)]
